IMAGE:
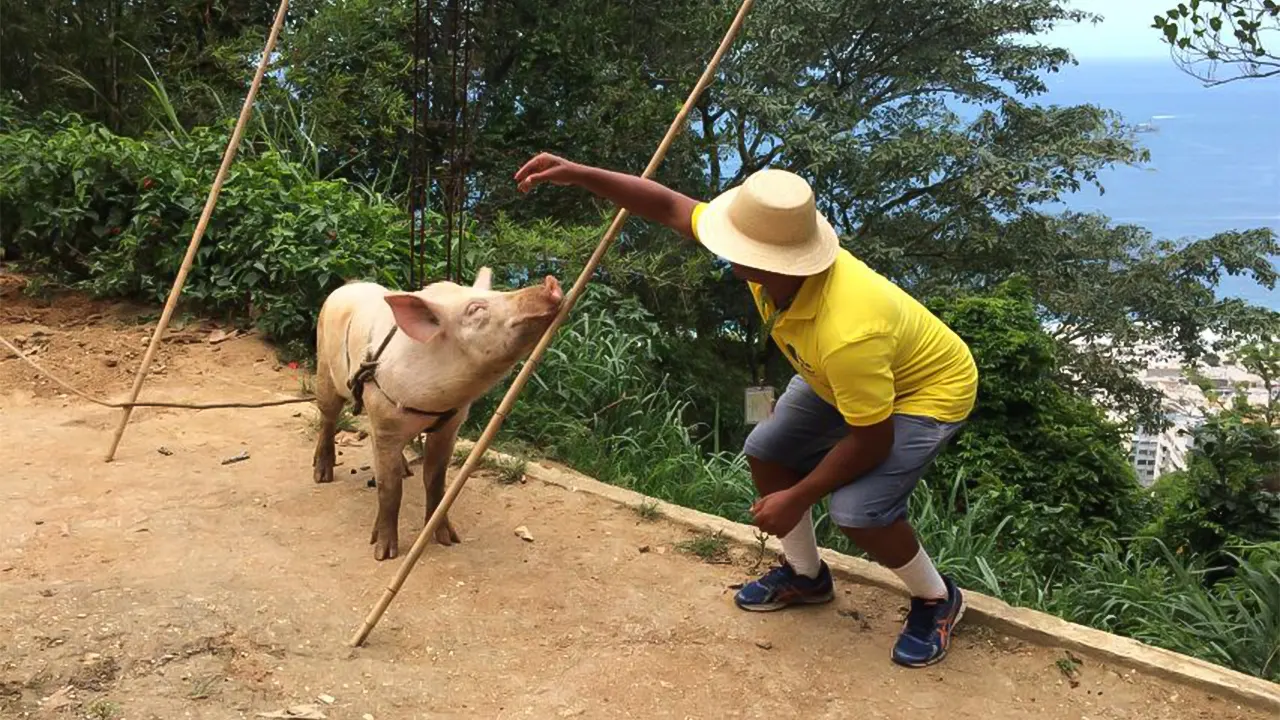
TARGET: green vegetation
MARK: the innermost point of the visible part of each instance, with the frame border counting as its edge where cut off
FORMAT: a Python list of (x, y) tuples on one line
[(1205, 34), (709, 547), (110, 138), (648, 510)]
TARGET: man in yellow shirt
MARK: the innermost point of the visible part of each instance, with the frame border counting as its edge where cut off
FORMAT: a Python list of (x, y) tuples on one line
[(881, 386)]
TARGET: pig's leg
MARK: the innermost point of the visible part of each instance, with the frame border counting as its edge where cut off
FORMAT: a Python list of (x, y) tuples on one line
[(437, 452), (388, 457), (329, 403)]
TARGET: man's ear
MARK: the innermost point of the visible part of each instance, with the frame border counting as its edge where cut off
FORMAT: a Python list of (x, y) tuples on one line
[(414, 315), (484, 279)]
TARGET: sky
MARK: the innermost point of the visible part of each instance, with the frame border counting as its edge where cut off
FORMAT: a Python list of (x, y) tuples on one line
[(1125, 31)]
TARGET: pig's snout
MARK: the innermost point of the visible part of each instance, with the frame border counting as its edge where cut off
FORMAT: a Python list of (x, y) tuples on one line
[(552, 286)]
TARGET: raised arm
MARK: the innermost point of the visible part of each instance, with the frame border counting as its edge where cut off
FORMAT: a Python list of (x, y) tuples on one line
[(646, 198)]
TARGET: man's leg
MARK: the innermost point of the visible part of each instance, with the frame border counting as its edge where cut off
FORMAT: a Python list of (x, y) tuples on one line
[(872, 512), (781, 451)]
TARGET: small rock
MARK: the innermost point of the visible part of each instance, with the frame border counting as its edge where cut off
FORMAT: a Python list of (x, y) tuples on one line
[(59, 699), (354, 471), (220, 336), (523, 533), (236, 458), (349, 439), (164, 451), (737, 586), (39, 522), (644, 548), (326, 699), (6, 568), (764, 644), (46, 593), (297, 712), (110, 361), (572, 712), (371, 482), (364, 467), (366, 716)]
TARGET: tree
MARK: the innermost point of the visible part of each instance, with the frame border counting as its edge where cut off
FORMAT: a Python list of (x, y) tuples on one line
[(1230, 492), (97, 57), (1206, 34), (1035, 451)]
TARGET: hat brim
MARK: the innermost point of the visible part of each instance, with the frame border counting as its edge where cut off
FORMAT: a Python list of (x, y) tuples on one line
[(809, 256)]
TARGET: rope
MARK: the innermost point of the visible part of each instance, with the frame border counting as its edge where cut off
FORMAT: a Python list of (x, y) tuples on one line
[(106, 403)]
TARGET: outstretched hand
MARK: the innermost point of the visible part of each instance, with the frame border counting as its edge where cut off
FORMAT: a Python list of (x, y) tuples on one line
[(545, 167)]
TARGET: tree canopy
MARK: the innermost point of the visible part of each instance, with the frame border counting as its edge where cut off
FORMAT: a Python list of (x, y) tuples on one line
[(1239, 36)]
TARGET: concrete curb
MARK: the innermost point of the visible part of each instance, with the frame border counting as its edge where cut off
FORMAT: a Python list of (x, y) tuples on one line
[(1030, 625)]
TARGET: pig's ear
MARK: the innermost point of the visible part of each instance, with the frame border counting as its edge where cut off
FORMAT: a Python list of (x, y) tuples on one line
[(414, 316), (484, 279)]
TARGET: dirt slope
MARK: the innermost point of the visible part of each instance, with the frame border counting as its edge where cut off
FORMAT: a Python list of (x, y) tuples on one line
[(172, 586)]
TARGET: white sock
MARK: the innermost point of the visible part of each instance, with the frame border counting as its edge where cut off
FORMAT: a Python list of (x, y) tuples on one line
[(800, 547), (922, 578)]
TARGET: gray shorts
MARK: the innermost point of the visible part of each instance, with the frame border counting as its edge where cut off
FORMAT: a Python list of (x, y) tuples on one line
[(804, 427)]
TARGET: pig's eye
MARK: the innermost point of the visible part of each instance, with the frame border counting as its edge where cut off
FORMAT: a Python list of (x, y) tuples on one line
[(474, 309)]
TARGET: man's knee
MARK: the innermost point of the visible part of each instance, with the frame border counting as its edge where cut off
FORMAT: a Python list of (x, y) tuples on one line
[(870, 503)]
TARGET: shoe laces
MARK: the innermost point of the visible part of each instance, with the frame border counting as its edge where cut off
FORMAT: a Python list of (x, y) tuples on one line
[(778, 575), (922, 617)]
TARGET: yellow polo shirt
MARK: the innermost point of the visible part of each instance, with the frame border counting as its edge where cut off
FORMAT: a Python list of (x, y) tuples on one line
[(870, 349)]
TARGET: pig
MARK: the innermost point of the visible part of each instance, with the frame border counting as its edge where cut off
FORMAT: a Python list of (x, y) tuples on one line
[(453, 344)]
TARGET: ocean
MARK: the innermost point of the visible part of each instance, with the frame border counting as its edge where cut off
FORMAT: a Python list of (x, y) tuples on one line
[(1215, 153)]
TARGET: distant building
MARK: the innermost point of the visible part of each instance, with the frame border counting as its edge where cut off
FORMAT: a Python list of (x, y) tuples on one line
[(1185, 403), (1158, 454)]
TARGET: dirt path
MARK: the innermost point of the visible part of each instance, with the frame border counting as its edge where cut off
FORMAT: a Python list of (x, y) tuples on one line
[(167, 585)]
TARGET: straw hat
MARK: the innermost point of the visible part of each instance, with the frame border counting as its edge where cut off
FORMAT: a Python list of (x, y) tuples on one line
[(771, 223)]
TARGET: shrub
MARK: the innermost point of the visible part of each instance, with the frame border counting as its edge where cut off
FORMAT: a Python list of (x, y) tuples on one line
[(114, 215)]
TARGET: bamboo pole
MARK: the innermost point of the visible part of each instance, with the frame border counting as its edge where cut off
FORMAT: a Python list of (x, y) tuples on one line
[(196, 236), (508, 401)]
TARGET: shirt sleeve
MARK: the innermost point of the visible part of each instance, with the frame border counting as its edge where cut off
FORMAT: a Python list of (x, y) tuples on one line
[(693, 221), (861, 377)]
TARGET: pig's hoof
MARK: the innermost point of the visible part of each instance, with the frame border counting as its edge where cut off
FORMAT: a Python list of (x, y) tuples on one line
[(446, 535), (324, 473), (385, 545)]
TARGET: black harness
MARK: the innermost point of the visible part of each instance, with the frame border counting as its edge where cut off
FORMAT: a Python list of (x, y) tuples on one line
[(365, 374)]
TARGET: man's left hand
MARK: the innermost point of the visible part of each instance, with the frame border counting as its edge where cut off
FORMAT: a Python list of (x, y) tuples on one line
[(778, 513)]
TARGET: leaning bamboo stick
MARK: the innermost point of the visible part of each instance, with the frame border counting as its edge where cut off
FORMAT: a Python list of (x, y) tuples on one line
[(508, 401), (176, 291)]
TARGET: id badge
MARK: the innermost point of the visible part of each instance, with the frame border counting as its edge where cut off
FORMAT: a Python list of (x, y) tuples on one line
[(757, 404)]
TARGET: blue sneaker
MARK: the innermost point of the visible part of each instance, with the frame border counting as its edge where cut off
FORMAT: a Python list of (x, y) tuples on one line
[(926, 634), (783, 586)]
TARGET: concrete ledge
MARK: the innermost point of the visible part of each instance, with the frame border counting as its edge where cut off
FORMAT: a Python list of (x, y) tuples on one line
[(1030, 625)]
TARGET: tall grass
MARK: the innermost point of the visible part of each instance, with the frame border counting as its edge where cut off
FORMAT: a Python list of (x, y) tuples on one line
[(597, 404)]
